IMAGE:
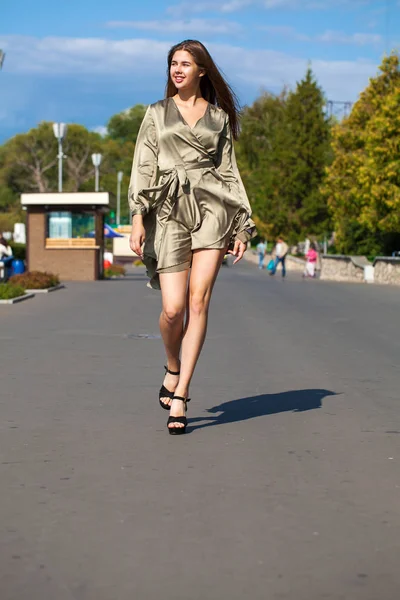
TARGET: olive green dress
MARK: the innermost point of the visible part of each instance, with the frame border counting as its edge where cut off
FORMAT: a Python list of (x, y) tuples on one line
[(186, 184)]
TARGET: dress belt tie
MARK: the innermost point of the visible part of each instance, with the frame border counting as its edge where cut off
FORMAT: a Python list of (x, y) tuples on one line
[(174, 177), (180, 170)]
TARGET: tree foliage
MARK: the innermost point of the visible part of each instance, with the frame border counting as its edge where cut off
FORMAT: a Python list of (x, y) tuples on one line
[(124, 126), (29, 163), (363, 182), (283, 150)]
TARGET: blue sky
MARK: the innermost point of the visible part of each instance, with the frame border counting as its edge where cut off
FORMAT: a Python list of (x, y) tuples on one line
[(83, 61)]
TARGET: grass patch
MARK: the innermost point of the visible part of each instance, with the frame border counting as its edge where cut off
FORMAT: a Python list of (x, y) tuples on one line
[(9, 291)]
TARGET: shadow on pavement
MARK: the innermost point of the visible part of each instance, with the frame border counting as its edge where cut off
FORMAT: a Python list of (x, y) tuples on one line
[(263, 405)]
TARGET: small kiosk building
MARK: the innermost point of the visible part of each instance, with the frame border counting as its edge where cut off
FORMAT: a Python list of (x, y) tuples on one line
[(65, 233)]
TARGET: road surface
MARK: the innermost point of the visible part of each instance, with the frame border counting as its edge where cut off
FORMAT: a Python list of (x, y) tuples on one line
[(286, 487)]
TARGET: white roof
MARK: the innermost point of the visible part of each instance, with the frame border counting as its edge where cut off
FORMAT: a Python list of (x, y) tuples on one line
[(74, 198)]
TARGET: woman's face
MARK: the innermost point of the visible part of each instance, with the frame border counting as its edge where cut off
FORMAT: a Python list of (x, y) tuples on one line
[(184, 72)]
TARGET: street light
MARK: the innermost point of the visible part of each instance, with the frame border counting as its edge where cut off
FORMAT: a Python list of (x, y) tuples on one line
[(2, 57), (96, 160), (120, 174), (60, 130)]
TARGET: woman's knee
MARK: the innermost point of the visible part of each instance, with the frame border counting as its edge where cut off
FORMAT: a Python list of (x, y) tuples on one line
[(173, 314), (199, 302)]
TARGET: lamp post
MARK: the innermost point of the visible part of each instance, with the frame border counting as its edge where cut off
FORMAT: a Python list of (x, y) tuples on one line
[(120, 174), (60, 130), (2, 57), (96, 160)]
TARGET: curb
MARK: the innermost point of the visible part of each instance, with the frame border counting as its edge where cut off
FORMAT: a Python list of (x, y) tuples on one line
[(46, 290), (17, 299)]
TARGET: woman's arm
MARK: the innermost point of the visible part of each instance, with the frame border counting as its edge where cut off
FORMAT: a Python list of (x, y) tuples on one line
[(228, 169), (144, 167), (143, 177)]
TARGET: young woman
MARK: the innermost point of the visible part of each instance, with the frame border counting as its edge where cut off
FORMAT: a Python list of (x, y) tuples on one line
[(188, 207)]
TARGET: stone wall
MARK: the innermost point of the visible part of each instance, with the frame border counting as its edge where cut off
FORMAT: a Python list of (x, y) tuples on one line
[(387, 270), (337, 267)]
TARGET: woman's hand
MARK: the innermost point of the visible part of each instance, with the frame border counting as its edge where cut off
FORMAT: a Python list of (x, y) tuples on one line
[(138, 235), (238, 250)]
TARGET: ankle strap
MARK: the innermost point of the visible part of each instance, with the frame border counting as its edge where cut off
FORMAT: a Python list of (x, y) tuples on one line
[(181, 398), (171, 372)]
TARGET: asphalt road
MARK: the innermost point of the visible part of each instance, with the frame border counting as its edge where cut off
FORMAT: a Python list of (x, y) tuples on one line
[(287, 485)]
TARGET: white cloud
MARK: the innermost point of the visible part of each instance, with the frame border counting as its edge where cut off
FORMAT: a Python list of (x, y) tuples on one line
[(62, 56), (193, 26), (328, 37), (340, 79), (229, 6), (100, 129), (288, 32), (359, 39), (146, 60)]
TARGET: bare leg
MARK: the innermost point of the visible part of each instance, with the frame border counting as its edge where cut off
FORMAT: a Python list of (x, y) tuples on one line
[(205, 267), (174, 292)]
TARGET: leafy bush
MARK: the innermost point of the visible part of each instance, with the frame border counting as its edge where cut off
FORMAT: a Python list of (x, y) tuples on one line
[(18, 250), (114, 271), (9, 291), (35, 280)]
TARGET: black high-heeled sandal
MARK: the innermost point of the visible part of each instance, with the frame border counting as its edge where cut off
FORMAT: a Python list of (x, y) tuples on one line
[(183, 420), (164, 392)]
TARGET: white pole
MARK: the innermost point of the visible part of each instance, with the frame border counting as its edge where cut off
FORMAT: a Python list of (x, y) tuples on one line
[(60, 130), (96, 160), (119, 179), (60, 158)]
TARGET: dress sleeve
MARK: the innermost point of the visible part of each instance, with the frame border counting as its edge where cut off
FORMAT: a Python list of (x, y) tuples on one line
[(144, 167), (228, 169)]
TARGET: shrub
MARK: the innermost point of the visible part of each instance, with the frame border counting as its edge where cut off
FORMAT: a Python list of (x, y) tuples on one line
[(114, 271), (35, 280), (18, 250), (9, 291)]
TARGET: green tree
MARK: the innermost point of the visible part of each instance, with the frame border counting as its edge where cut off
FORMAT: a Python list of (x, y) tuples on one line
[(124, 126), (257, 152), (303, 152), (78, 147), (28, 160), (363, 182)]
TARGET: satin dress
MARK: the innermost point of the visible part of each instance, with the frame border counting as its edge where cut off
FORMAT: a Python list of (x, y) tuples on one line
[(186, 184)]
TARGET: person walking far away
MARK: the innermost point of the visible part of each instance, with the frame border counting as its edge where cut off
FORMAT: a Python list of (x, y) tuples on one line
[(280, 251), (312, 257), (5, 248), (192, 213), (261, 251), (6, 256)]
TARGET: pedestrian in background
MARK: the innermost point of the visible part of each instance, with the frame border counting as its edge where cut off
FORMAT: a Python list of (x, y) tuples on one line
[(6, 257), (280, 251), (261, 251), (5, 248), (311, 257)]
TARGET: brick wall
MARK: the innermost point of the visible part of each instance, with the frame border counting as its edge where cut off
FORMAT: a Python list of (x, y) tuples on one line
[(74, 264)]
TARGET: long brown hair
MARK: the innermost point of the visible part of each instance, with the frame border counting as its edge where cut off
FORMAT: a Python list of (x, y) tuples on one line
[(213, 86)]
